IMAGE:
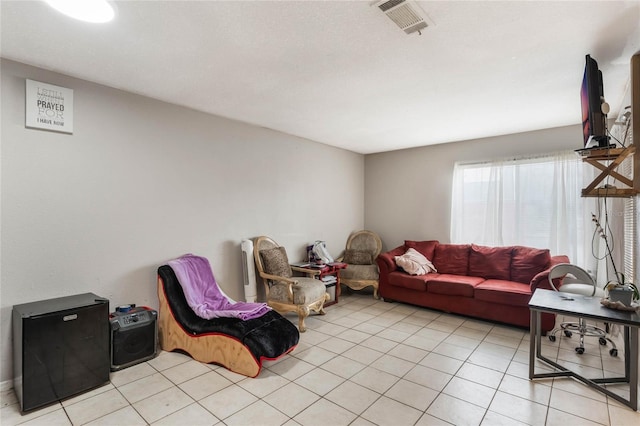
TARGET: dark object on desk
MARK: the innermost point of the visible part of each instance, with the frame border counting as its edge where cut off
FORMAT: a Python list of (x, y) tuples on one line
[(60, 348)]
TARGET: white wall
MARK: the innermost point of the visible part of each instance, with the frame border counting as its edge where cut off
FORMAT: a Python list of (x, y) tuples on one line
[(141, 181), (408, 192)]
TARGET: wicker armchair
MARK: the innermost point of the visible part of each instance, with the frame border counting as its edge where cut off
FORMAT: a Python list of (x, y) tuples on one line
[(360, 255), (286, 293)]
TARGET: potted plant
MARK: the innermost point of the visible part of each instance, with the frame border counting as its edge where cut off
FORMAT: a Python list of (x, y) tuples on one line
[(622, 291), (619, 290)]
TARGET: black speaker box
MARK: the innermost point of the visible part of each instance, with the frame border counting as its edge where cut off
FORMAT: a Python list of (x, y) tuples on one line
[(134, 336)]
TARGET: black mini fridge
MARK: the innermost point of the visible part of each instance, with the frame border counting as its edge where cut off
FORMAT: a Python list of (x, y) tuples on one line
[(60, 348)]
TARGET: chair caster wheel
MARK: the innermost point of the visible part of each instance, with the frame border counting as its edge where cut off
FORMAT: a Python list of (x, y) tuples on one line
[(580, 350), (568, 333), (552, 337), (613, 352), (602, 341)]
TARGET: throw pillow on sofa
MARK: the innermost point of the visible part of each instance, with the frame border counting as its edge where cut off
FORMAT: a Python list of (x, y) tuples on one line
[(414, 263), (452, 258), (426, 248), (490, 262), (527, 262)]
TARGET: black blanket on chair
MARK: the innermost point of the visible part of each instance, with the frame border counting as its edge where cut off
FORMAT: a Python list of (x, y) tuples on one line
[(268, 336)]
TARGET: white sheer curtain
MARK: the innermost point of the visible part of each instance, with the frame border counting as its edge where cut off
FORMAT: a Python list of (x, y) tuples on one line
[(534, 201)]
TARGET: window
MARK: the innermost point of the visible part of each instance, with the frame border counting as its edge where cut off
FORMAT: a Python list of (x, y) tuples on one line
[(534, 202), (630, 247)]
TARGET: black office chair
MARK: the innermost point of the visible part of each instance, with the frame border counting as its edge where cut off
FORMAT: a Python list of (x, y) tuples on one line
[(577, 281)]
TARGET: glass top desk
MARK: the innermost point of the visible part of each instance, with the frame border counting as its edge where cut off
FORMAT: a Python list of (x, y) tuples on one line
[(589, 308)]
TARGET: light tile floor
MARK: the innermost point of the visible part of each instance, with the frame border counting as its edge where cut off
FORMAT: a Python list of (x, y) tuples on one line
[(365, 362)]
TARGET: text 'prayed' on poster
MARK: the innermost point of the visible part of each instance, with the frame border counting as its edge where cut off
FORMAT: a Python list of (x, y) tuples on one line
[(48, 107)]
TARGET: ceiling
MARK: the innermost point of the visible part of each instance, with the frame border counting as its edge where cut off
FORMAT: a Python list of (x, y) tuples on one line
[(341, 72)]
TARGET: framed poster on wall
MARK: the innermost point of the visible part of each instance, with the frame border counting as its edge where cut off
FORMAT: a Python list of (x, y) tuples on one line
[(48, 107)]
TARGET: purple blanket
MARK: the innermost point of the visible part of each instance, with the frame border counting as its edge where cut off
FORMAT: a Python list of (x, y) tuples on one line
[(203, 294)]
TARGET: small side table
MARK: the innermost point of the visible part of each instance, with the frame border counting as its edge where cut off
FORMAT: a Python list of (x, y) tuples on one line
[(329, 274)]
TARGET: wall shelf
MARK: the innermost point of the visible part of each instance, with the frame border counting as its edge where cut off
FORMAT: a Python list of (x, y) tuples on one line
[(607, 161)]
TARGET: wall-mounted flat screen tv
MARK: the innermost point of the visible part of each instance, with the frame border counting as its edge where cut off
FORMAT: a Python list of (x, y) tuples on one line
[(594, 127)]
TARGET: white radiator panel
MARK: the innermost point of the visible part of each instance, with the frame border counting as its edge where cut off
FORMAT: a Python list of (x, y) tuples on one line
[(249, 272)]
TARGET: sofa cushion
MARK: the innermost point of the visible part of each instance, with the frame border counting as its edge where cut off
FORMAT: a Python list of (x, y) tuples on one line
[(503, 292), (527, 262), (451, 258), (490, 262), (452, 285), (426, 248), (412, 282), (360, 272), (357, 257), (414, 263), (276, 262), (305, 291)]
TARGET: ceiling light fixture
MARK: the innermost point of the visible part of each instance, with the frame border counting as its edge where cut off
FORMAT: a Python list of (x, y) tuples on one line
[(95, 11)]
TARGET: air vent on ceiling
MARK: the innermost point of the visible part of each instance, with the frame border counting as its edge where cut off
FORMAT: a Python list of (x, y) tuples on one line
[(405, 14)]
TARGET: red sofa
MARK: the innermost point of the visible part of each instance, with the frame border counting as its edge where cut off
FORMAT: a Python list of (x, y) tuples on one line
[(493, 283)]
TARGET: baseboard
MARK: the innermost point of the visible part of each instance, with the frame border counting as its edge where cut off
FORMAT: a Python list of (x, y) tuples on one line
[(6, 385)]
